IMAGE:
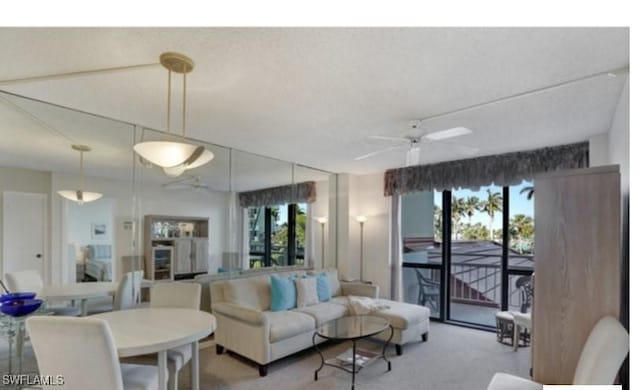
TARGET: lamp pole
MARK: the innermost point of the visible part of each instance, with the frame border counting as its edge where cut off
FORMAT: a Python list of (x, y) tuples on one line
[(322, 243), (361, 219)]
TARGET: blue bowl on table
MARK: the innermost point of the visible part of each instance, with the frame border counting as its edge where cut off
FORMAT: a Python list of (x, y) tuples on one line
[(17, 295), (20, 307)]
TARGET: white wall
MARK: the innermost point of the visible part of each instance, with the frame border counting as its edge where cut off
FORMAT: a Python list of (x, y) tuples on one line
[(23, 180), (599, 150), (366, 197), (619, 138), (80, 219)]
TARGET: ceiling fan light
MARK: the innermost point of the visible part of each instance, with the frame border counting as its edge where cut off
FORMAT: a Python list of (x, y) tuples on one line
[(164, 154), (449, 133)]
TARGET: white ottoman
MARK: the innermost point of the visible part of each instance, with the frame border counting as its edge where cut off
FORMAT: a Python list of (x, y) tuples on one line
[(410, 323)]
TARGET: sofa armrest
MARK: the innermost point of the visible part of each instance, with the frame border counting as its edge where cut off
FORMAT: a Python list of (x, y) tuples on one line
[(360, 289), (239, 312)]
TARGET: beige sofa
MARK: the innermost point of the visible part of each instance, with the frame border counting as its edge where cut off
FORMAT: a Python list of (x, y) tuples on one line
[(247, 327)]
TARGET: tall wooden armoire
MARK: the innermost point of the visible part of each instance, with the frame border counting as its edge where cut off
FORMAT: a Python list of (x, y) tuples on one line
[(577, 265)]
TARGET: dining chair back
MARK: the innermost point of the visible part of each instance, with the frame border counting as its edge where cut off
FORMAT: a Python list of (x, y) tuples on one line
[(24, 281), (128, 293), (81, 351), (179, 295), (603, 353)]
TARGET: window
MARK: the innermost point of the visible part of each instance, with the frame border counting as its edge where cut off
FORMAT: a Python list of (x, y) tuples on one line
[(277, 235)]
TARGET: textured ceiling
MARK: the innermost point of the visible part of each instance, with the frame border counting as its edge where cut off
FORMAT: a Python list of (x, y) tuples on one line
[(314, 95)]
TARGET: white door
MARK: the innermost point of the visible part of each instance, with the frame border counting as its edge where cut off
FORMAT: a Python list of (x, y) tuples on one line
[(24, 218)]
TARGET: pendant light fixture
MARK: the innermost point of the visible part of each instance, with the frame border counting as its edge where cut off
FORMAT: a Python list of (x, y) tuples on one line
[(175, 157), (80, 195)]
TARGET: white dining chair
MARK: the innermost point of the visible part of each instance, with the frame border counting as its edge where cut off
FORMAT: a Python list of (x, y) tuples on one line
[(127, 295), (601, 358), (179, 295), (82, 352), (31, 281)]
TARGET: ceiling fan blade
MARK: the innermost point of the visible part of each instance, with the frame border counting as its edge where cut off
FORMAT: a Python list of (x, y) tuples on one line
[(380, 151), (448, 133), (388, 138), (460, 148)]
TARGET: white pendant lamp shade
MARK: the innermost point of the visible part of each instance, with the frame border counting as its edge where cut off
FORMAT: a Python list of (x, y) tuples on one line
[(174, 157), (80, 196), (165, 154)]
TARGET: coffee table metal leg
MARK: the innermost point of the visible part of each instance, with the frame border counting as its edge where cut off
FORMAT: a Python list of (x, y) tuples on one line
[(353, 366), (315, 375), (384, 349)]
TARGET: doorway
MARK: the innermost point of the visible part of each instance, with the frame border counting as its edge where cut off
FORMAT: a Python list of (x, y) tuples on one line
[(24, 221)]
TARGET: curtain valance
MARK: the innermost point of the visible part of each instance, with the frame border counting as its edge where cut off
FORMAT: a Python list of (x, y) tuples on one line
[(502, 169), (294, 193)]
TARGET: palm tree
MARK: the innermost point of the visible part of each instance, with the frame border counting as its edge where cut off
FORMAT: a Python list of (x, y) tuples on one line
[(457, 211), (528, 190), (521, 229), (437, 218), (491, 206), (471, 205)]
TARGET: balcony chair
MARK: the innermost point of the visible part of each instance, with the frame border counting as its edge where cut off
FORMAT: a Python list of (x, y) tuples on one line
[(429, 292), (178, 295), (127, 295), (510, 324), (601, 358), (82, 352), (31, 281)]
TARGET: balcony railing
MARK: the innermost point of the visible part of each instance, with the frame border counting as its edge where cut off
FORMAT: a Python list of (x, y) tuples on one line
[(475, 279)]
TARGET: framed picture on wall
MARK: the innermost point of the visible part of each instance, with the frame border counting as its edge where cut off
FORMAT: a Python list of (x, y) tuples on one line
[(99, 230)]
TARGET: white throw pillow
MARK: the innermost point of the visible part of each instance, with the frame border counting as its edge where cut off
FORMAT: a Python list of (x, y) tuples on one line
[(307, 291)]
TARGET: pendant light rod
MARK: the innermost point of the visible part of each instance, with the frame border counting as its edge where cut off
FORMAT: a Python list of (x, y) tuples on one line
[(184, 101), (57, 76), (169, 104)]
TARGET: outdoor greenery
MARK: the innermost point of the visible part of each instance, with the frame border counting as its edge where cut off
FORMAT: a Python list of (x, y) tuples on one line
[(521, 227)]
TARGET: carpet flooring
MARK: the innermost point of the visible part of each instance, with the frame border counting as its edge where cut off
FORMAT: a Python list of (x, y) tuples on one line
[(454, 358)]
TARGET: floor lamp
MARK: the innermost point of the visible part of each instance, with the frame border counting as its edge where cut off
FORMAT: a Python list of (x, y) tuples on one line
[(362, 219), (322, 221)]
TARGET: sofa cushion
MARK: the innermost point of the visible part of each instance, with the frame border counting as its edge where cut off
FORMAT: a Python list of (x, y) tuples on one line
[(253, 292), (307, 291), (283, 293), (334, 282), (286, 324), (324, 286), (403, 315), (325, 311)]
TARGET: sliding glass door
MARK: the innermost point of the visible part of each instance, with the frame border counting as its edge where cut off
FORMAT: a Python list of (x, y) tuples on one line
[(469, 253), (475, 264)]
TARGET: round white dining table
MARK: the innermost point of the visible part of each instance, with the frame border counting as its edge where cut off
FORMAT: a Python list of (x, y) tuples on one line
[(78, 292), (156, 330)]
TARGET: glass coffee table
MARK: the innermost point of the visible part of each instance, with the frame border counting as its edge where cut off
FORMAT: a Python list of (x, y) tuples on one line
[(353, 328)]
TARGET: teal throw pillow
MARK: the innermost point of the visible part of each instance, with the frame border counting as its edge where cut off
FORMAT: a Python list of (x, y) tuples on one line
[(324, 287), (283, 293)]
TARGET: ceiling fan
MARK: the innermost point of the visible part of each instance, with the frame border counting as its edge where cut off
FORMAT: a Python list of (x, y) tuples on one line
[(419, 137), (188, 182)]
